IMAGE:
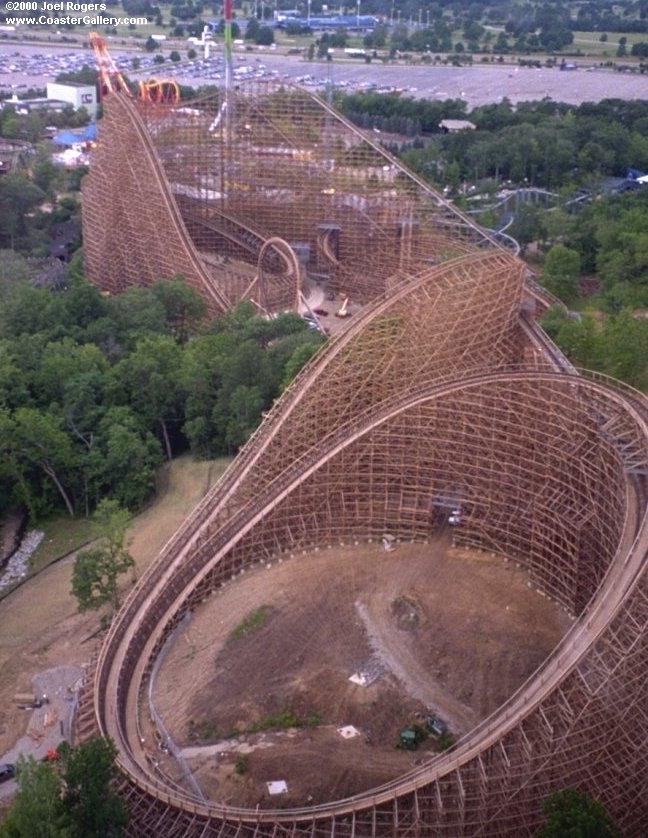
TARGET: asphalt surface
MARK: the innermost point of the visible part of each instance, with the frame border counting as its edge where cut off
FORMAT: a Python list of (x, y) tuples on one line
[(49, 724), (35, 64)]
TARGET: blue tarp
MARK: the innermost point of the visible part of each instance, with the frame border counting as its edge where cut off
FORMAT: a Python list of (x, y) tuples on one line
[(68, 138)]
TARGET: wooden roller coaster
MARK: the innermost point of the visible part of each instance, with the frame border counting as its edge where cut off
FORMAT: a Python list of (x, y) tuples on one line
[(171, 192), (443, 385)]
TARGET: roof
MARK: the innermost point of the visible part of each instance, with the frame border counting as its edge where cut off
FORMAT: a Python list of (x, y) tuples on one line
[(456, 125)]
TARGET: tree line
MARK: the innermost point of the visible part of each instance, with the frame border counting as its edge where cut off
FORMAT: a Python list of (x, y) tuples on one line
[(96, 392), (541, 143)]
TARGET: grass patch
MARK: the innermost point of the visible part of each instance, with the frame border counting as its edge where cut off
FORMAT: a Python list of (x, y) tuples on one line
[(253, 622), (202, 731), (62, 536), (284, 720), (241, 765), (445, 742)]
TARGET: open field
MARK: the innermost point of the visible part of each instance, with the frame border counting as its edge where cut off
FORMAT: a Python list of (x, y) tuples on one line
[(442, 630)]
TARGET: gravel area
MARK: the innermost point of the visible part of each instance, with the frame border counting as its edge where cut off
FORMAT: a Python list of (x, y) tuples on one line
[(18, 564), (50, 723)]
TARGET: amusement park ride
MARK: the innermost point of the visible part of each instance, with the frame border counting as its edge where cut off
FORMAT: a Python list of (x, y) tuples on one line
[(164, 92), (269, 195), (441, 385)]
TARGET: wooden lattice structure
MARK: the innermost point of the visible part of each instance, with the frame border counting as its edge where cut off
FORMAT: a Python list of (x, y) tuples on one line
[(252, 196), (429, 395), (442, 390)]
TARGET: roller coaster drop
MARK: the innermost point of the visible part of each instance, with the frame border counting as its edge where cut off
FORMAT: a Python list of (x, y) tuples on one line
[(443, 383)]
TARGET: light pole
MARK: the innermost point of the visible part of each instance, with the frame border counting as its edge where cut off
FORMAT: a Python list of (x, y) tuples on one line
[(358, 15)]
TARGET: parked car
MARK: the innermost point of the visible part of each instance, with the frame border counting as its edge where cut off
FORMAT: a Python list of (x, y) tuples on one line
[(7, 771)]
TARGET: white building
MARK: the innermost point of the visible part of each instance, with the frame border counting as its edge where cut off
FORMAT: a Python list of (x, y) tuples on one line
[(77, 95)]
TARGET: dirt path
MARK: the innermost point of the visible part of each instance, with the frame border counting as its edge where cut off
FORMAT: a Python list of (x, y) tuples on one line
[(416, 680)]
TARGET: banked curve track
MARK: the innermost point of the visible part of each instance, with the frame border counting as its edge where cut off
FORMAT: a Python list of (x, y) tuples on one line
[(551, 468)]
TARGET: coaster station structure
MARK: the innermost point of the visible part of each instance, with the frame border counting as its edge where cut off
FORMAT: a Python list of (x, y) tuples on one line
[(441, 393)]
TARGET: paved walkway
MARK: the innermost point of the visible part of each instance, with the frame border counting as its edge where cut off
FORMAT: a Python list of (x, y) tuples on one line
[(49, 724)]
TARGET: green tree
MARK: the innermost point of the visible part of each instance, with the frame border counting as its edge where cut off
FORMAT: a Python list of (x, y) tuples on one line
[(39, 440), (184, 308), (18, 195), (37, 811), (626, 348), (574, 814), (94, 810), (130, 456), (131, 314), (561, 271), (150, 375), (70, 798), (266, 36), (252, 29), (96, 570), (44, 172)]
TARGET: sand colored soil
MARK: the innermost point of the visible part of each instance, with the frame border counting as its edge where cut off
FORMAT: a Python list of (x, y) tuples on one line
[(450, 632)]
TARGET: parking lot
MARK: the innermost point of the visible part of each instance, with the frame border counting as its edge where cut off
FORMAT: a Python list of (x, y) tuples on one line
[(24, 66)]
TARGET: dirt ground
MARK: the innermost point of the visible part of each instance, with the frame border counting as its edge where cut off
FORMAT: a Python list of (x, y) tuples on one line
[(43, 637), (434, 630)]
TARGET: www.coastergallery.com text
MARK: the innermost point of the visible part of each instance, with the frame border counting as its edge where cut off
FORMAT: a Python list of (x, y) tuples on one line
[(66, 13)]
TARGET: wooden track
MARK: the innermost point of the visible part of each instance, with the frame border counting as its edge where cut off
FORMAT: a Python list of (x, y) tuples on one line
[(442, 386), (584, 477), (163, 191)]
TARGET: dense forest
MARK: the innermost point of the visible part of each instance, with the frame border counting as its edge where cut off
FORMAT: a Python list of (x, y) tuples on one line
[(543, 143), (95, 392)]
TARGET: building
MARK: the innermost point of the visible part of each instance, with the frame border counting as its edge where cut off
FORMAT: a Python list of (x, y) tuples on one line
[(451, 126), (24, 107), (321, 23), (77, 95)]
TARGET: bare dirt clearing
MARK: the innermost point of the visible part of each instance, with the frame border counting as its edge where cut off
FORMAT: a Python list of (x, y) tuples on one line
[(447, 631)]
